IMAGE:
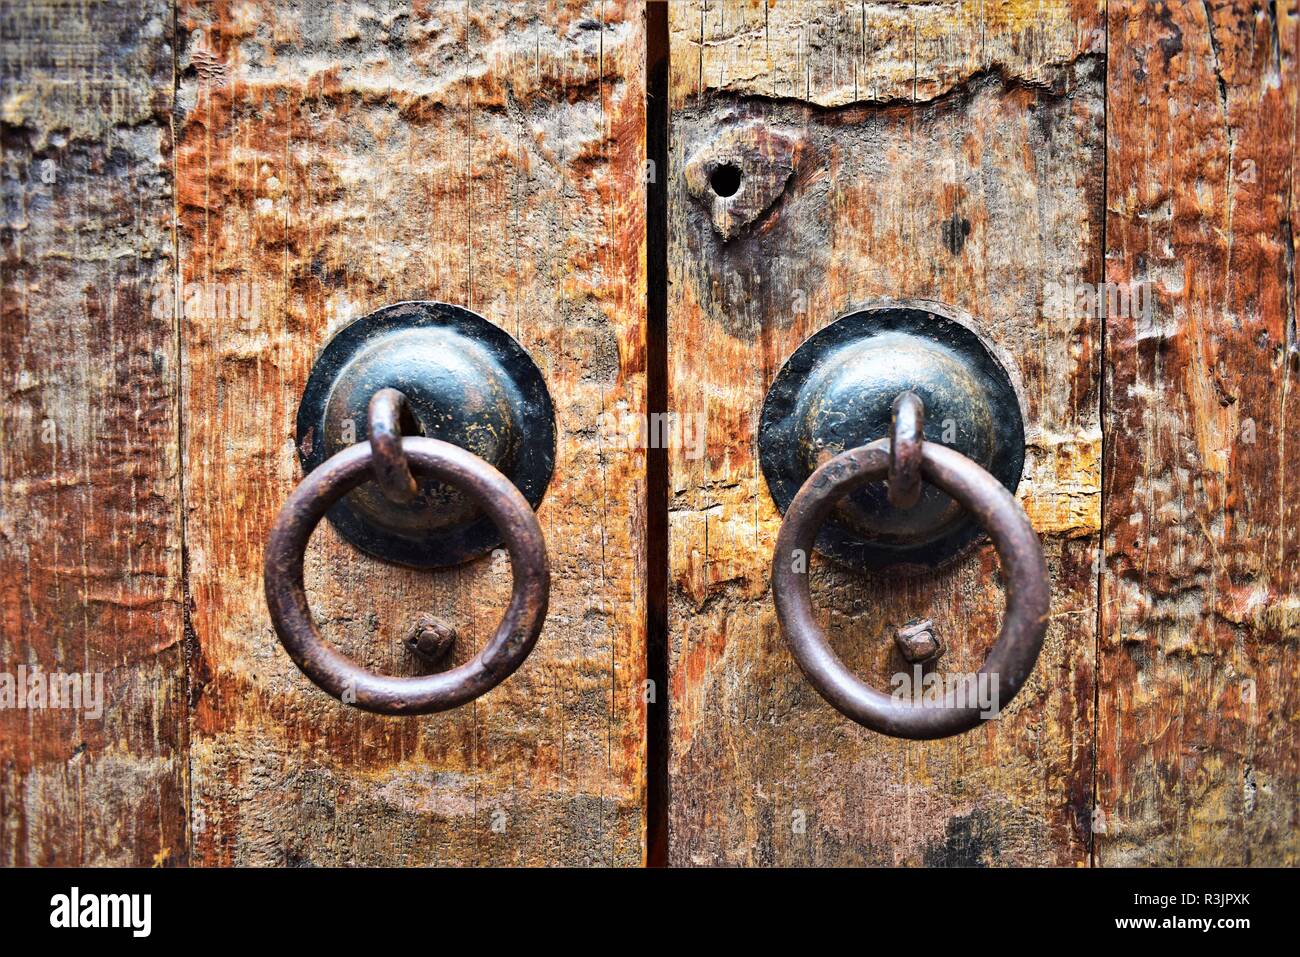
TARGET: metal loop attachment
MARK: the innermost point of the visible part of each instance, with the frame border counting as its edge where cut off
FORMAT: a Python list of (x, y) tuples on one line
[(907, 433), (499, 499), (391, 471), (1024, 571)]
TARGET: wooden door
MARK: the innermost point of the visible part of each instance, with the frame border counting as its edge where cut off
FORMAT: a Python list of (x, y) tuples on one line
[(987, 156), (1196, 754), (234, 183), (197, 194), (342, 158), (90, 535)]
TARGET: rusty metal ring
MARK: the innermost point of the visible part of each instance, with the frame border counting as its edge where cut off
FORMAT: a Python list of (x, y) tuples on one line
[(385, 694), (1025, 572), (907, 434), (392, 473)]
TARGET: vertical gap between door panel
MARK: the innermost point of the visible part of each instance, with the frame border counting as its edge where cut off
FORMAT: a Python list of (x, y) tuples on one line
[(1103, 385), (656, 509), (189, 637)]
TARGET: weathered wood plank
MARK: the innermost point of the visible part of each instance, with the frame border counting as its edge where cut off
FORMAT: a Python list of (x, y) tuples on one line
[(835, 54), (1199, 690), (89, 532), (906, 121), (334, 159)]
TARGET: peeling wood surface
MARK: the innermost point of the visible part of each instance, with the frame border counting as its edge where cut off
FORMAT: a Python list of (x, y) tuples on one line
[(965, 167), (1197, 758), (833, 54), (89, 532), (333, 159)]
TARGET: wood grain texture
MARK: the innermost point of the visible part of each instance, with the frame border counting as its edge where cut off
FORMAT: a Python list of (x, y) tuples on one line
[(833, 54), (951, 152), (336, 158), (89, 524), (1197, 752)]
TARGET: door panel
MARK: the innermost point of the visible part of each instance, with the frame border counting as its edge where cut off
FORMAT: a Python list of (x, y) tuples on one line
[(949, 152), (90, 543), (1196, 754), (196, 196), (332, 160)]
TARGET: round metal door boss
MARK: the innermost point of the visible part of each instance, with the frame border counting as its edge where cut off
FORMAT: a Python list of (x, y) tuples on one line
[(837, 392), (466, 382)]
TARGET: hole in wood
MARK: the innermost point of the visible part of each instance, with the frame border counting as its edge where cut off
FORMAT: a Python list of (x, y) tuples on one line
[(725, 179)]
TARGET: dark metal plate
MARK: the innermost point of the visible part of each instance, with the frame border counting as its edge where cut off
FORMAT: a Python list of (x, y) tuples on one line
[(467, 382), (836, 393)]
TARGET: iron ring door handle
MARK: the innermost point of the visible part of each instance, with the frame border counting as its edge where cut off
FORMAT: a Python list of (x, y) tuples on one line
[(495, 494), (1024, 622)]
